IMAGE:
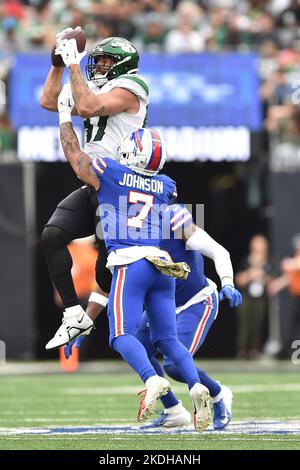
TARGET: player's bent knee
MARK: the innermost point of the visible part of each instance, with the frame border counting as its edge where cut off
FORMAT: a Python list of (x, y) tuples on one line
[(54, 237), (113, 342), (117, 343), (173, 373), (165, 344)]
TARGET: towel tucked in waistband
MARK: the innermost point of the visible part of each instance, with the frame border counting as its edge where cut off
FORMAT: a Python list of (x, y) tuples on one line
[(179, 270)]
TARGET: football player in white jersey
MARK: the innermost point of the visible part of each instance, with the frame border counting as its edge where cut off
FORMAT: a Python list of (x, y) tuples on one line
[(113, 103)]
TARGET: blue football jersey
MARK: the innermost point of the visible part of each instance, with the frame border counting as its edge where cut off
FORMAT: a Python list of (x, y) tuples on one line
[(178, 217), (131, 205)]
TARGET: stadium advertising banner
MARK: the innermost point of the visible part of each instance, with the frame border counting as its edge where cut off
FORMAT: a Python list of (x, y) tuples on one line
[(206, 105)]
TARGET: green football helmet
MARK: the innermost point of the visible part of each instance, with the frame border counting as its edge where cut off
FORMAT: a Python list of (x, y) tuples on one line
[(125, 60)]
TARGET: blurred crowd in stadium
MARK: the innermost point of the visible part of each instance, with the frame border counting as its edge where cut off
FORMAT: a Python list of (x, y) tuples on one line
[(269, 27), (159, 25)]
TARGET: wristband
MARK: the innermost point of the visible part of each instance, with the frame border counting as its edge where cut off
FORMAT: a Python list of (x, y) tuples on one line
[(227, 281), (98, 299)]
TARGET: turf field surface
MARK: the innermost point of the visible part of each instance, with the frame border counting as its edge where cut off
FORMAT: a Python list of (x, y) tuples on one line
[(98, 410)]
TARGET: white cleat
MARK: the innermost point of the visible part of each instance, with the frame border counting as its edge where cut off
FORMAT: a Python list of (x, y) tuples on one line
[(174, 417), (73, 325), (202, 410), (156, 386)]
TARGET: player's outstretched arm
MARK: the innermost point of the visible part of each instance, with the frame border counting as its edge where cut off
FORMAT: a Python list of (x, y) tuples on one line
[(116, 101), (80, 161), (53, 84), (198, 239), (52, 89), (88, 104), (52, 92)]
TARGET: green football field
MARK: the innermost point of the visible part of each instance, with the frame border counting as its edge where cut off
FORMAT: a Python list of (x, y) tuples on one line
[(98, 411)]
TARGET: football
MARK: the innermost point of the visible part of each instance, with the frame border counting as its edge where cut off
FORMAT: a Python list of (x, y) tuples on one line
[(80, 37)]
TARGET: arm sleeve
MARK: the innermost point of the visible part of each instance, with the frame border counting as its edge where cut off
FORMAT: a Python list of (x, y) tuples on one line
[(201, 241)]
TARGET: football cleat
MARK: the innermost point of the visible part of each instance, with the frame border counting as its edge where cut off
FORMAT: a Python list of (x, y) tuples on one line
[(222, 409), (156, 386), (201, 402), (180, 418), (72, 327)]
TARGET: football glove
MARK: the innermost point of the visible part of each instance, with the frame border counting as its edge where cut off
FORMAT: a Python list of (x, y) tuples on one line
[(67, 48), (75, 343), (232, 294)]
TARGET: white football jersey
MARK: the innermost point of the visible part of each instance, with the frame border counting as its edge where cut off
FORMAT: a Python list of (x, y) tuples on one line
[(103, 134)]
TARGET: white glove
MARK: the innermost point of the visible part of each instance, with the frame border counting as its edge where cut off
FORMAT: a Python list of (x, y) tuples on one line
[(69, 53), (59, 35), (65, 104)]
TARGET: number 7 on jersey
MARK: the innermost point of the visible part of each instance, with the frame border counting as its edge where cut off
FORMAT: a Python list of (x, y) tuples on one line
[(134, 197)]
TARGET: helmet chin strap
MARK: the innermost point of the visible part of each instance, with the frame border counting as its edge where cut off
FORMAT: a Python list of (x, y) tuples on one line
[(100, 81)]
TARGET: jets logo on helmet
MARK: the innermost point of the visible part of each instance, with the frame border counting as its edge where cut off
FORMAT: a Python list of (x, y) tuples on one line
[(124, 55), (143, 151), (124, 45)]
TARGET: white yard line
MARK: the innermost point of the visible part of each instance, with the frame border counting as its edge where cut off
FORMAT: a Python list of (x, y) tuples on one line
[(246, 428), (174, 437)]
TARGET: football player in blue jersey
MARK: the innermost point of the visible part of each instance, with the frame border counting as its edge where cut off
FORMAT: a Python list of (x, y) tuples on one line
[(131, 195), (196, 307)]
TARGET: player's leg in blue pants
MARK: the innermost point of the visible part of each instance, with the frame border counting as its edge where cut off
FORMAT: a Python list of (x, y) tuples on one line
[(132, 286), (125, 307), (143, 335), (193, 325), (160, 306)]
